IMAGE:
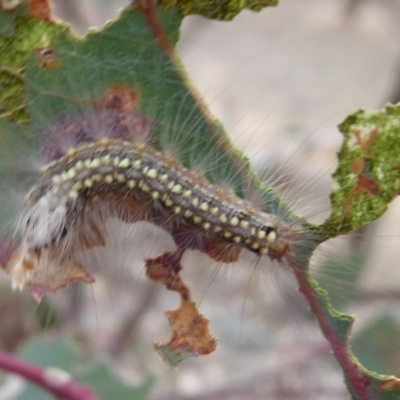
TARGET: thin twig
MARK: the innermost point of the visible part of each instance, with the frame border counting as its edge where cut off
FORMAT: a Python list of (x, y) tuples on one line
[(53, 380)]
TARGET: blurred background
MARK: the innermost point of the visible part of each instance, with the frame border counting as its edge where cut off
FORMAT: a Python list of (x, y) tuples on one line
[(280, 81)]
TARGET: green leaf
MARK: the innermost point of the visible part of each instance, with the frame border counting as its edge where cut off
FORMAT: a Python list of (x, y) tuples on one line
[(367, 178), (19, 35), (377, 345)]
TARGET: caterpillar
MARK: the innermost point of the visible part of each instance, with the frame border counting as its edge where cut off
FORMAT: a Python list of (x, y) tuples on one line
[(100, 178)]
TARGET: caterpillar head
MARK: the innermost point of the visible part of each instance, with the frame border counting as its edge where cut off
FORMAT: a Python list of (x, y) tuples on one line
[(278, 238)]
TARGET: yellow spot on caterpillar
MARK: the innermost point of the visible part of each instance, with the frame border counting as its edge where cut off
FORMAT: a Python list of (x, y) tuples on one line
[(88, 183), (95, 163), (121, 178), (253, 231), (164, 178), (195, 202), (116, 161), (197, 220), (96, 178), (145, 187), (204, 206), (177, 209), (137, 164), (214, 210), (106, 159), (264, 250), (271, 236), (206, 225), (261, 234), (237, 239), (152, 173), (234, 221), (247, 241), (227, 234), (155, 195), (223, 218), (131, 184), (255, 246), (187, 193), (77, 186), (145, 169), (124, 163), (171, 185), (79, 165), (108, 178), (71, 173), (188, 214), (177, 189), (244, 224), (73, 194), (168, 202), (217, 229)]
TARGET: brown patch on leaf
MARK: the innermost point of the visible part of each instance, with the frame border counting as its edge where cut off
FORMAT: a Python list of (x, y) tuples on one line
[(119, 97), (358, 166), (366, 184), (190, 335), (40, 9), (365, 142), (46, 56)]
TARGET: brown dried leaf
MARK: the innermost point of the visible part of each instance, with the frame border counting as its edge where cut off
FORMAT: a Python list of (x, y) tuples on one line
[(190, 335), (44, 272)]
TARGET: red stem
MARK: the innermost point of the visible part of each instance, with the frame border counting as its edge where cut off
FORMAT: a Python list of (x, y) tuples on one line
[(355, 377), (61, 388)]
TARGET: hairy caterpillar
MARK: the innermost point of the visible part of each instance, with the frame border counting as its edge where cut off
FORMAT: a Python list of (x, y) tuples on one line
[(78, 191)]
